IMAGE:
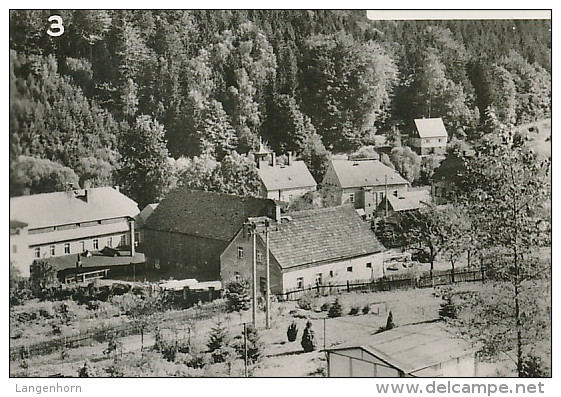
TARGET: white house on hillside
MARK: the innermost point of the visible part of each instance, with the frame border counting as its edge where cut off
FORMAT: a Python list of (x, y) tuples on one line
[(283, 182), (362, 183), (430, 137)]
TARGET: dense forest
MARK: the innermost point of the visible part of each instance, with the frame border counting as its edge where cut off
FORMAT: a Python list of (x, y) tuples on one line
[(154, 99)]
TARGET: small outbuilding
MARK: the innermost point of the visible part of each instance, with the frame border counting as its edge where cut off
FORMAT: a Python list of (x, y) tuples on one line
[(417, 350)]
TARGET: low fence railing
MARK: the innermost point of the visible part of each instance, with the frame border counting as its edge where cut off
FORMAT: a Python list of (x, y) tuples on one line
[(389, 283)]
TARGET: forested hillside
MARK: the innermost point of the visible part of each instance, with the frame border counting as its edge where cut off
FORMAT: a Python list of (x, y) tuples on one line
[(152, 99)]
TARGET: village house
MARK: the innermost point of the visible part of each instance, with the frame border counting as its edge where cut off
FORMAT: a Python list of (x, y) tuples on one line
[(189, 230), (416, 350), (362, 183), (445, 178), (429, 137), (51, 225), (306, 248), (282, 182), (407, 201)]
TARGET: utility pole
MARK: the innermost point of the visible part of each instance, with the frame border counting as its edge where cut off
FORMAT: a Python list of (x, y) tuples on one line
[(386, 192), (254, 289), (268, 279), (245, 348)]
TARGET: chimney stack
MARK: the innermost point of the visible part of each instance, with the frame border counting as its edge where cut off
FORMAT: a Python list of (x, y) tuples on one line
[(273, 159), (289, 161)]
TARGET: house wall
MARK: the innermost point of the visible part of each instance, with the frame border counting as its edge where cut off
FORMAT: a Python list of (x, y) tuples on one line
[(335, 272), (376, 192), (35, 245), (21, 256), (426, 146), (232, 267), (192, 256), (287, 195), (354, 362)]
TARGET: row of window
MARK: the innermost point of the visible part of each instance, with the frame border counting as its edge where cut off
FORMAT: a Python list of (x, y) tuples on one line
[(259, 254), (67, 248), (318, 280)]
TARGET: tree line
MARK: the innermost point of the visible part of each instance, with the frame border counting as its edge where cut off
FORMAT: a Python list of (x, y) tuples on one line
[(155, 99)]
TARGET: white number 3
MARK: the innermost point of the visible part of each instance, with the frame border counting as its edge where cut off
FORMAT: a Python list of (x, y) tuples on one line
[(57, 28)]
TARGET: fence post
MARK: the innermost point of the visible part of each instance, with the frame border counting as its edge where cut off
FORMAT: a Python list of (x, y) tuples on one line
[(348, 286)]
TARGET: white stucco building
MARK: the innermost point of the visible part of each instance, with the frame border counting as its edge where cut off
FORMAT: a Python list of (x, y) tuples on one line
[(65, 223), (322, 246)]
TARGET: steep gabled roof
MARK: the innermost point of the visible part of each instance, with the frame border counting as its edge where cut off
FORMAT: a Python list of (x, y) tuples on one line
[(206, 214), (320, 236), (291, 176), (62, 208), (431, 128), (358, 173)]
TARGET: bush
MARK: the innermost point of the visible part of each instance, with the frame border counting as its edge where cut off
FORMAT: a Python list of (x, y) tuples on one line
[(308, 338), (254, 345), (168, 343), (43, 279), (237, 296), (354, 310), (448, 308), (292, 332), (306, 302), (533, 367), (389, 324), (366, 309), (336, 310), (217, 345)]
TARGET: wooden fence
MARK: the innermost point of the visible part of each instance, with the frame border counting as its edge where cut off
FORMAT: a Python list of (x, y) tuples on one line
[(103, 334), (390, 283)]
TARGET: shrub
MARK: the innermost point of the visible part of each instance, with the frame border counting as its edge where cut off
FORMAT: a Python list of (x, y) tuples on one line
[(354, 310), (306, 302), (325, 306), (292, 332), (237, 296), (366, 309), (336, 310), (168, 343), (217, 345), (308, 338), (533, 367), (86, 371), (448, 308), (43, 279), (254, 345), (389, 324)]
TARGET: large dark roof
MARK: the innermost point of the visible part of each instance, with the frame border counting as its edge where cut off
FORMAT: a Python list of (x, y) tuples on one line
[(207, 214), (322, 235)]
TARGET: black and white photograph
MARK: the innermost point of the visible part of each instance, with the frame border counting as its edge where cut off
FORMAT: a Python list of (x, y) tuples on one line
[(280, 193)]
